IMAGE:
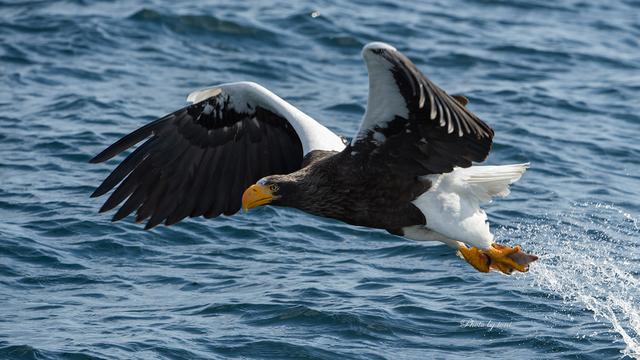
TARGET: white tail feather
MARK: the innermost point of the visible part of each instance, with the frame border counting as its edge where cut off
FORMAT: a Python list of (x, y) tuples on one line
[(452, 204), (490, 181)]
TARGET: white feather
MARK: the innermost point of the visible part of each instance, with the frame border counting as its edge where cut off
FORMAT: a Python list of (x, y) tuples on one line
[(489, 181), (452, 204), (420, 233), (385, 100), (244, 96), (199, 95)]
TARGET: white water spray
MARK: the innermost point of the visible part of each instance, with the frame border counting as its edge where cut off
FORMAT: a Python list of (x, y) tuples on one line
[(589, 258)]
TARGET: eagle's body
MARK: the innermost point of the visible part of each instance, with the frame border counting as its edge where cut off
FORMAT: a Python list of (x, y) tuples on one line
[(407, 170), (339, 186)]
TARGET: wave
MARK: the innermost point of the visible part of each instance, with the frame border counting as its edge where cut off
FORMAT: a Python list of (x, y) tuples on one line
[(200, 23)]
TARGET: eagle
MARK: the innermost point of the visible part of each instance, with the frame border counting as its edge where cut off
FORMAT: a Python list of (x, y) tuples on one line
[(409, 169)]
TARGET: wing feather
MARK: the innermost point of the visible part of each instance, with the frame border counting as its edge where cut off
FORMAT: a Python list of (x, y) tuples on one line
[(198, 160), (405, 129)]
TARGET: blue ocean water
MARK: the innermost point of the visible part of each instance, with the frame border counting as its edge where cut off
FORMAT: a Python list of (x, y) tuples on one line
[(559, 82)]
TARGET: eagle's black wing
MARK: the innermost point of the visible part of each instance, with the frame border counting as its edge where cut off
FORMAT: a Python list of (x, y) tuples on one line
[(411, 125), (199, 160)]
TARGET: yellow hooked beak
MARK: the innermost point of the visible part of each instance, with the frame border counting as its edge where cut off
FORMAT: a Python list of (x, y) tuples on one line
[(256, 195)]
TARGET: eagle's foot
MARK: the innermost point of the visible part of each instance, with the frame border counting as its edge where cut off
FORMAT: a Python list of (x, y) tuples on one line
[(476, 258), (499, 257)]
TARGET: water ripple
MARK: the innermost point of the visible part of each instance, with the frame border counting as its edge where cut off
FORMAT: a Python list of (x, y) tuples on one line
[(558, 81)]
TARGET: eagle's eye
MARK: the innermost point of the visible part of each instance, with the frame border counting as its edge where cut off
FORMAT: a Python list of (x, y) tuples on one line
[(274, 188)]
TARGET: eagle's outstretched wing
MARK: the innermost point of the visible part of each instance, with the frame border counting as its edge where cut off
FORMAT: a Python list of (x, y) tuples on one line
[(198, 160)]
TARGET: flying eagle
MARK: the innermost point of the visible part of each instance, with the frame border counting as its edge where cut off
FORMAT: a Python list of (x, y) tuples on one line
[(407, 170)]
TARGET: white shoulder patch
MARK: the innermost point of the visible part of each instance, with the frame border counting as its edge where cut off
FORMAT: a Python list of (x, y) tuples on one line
[(202, 94), (246, 95), (385, 101), (377, 45)]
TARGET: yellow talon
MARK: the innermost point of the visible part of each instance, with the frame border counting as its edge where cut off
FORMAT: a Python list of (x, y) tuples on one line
[(498, 257), (476, 258)]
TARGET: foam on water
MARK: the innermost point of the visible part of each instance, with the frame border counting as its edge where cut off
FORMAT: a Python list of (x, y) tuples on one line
[(585, 261)]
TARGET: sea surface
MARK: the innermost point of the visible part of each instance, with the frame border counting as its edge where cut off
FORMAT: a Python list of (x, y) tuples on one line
[(558, 80)]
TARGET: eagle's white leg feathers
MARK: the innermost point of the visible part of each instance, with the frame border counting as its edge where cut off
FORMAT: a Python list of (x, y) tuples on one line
[(420, 233)]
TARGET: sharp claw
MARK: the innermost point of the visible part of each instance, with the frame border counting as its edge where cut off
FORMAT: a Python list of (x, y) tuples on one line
[(499, 257)]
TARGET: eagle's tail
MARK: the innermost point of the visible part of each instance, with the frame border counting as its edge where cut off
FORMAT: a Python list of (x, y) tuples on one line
[(490, 181)]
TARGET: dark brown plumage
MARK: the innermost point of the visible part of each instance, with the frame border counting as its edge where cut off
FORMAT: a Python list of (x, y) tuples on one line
[(337, 185)]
